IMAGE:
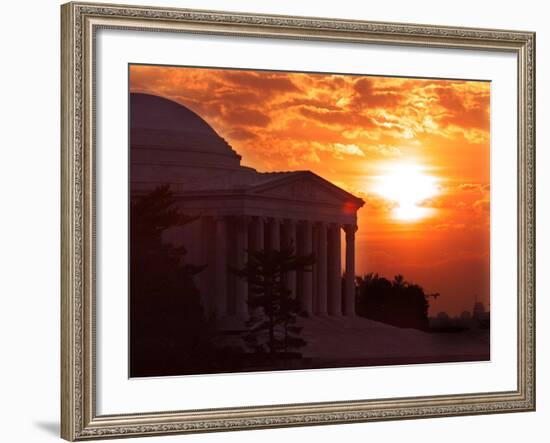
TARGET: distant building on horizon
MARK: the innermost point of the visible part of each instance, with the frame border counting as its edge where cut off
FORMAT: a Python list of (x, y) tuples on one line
[(477, 318)]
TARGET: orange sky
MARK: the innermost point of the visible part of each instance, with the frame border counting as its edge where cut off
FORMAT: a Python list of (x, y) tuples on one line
[(416, 150)]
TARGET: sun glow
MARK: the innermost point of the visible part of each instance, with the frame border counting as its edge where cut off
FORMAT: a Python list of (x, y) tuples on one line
[(407, 185)]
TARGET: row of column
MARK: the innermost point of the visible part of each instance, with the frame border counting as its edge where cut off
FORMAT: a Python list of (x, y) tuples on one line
[(320, 291)]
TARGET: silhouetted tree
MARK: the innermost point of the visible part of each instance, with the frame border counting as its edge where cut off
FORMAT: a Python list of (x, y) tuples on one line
[(272, 324), (396, 302), (168, 329)]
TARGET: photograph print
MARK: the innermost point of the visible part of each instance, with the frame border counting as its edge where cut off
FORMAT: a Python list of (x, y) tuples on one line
[(295, 220)]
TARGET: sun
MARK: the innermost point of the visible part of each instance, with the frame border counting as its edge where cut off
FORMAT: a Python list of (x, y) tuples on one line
[(407, 185)]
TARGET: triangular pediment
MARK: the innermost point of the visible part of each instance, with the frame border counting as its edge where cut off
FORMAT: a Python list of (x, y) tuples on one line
[(307, 187)]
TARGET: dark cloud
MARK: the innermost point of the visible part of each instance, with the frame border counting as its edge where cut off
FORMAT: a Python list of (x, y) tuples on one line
[(306, 102), (263, 82), (342, 118), (245, 117), (367, 96), (241, 134), (471, 113)]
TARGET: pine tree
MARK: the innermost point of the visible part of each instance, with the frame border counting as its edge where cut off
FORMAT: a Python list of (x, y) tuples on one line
[(168, 329), (272, 324)]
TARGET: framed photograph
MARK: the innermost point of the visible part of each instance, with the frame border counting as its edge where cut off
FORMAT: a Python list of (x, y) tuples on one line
[(282, 221)]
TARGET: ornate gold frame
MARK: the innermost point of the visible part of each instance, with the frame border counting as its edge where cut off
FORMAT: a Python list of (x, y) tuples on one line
[(80, 21)]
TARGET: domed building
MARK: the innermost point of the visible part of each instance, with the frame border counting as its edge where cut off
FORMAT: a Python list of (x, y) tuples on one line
[(241, 209)]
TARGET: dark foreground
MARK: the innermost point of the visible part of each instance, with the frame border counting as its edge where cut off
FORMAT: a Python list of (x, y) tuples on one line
[(331, 343)]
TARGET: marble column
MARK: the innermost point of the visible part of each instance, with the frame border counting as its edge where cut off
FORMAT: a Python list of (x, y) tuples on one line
[(314, 269), (321, 265), (291, 243), (275, 234), (206, 258), (259, 234), (307, 277), (334, 271), (241, 285), (349, 296), (221, 267)]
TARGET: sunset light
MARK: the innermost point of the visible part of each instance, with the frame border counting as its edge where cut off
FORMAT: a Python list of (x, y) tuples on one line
[(407, 186), (416, 151)]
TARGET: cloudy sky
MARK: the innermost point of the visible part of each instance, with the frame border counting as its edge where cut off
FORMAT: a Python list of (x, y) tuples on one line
[(416, 150)]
